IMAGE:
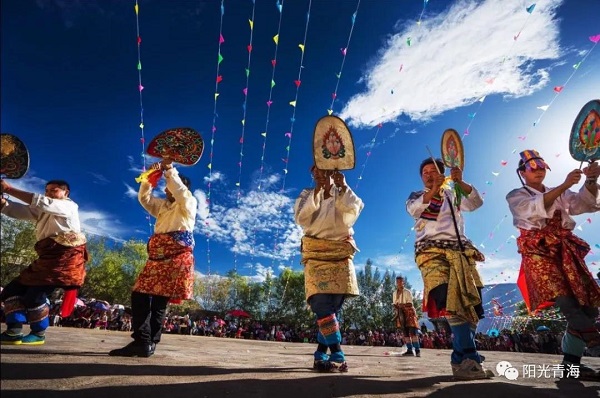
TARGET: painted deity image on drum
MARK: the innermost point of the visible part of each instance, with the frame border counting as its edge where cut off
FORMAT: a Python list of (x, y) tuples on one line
[(584, 142), (453, 154), (333, 147)]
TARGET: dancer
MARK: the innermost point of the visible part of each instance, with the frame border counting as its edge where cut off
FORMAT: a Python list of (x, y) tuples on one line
[(62, 254), (169, 271), (553, 269), (406, 318), (446, 259), (326, 214)]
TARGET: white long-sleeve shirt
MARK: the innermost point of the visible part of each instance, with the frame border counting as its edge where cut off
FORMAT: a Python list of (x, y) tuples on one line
[(330, 218), (52, 217), (402, 297), (170, 217), (443, 227), (530, 213)]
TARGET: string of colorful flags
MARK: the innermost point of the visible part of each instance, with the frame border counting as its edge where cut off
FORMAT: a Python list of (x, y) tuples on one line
[(238, 184), (557, 90), (136, 8), (213, 130), (344, 52), (289, 133), (265, 133), (370, 147)]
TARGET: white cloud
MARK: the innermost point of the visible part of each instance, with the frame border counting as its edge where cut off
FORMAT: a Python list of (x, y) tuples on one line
[(258, 224), (130, 192), (99, 223), (99, 178), (450, 58), (499, 269)]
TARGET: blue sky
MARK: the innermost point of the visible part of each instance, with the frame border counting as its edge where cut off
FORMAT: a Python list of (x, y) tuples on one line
[(70, 92)]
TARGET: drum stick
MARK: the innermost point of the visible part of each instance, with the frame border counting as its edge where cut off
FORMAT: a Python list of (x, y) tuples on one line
[(432, 158)]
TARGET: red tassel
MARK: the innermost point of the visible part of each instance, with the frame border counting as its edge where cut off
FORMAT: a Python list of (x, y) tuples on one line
[(68, 304), (154, 177)]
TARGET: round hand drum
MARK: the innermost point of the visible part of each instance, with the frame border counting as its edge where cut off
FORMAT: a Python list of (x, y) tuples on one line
[(14, 159), (453, 153), (584, 142), (183, 145), (333, 148)]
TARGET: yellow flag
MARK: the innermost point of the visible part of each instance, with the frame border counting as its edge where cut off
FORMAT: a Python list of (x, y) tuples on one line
[(301, 47), (276, 39), (136, 8), (251, 22), (293, 103), (329, 111)]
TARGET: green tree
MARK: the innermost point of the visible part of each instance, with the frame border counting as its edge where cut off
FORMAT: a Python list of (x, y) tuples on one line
[(112, 270), (16, 247)]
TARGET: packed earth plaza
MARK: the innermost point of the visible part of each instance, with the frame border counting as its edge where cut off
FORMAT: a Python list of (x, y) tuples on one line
[(77, 365)]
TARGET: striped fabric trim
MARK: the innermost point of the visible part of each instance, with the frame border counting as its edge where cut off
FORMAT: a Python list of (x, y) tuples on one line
[(433, 210)]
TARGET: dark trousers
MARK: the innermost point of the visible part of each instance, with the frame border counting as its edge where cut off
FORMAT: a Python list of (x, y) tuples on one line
[(147, 316), (30, 296)]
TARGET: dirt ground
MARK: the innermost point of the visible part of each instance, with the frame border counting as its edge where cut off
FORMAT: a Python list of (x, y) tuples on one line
[(74, 364)]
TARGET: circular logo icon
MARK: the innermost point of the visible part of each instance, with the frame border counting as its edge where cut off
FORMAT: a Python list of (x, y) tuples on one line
[(511, 374), (502, 366)]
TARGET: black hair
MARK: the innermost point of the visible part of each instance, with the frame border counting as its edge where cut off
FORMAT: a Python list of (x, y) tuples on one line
[(61, 183), (400, 278), (521, 167), (186, 181), (440, 165)]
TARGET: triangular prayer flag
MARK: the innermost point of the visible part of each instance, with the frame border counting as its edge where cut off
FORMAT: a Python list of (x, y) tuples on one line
[(301, 47), (251, 22), (576, 66), (247, 72), (276, 39), (293, 103), (595, 38), (264, 134), (272, 83), (249, 48), (329, 111), (544, 107), (221, 39), (297, 83), (136, 8), (139, 66), (219, 79), (558, 89), (220, 58), (216, 95), (530, 8)]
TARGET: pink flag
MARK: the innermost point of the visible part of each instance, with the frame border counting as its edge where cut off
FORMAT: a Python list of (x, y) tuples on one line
[(245, 91), (558, 89), (219, 79), (273, 62), (221, 39), (344, 50), (269, 102), (504, 163), (297, 83), (249, 48), (595, 38)]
